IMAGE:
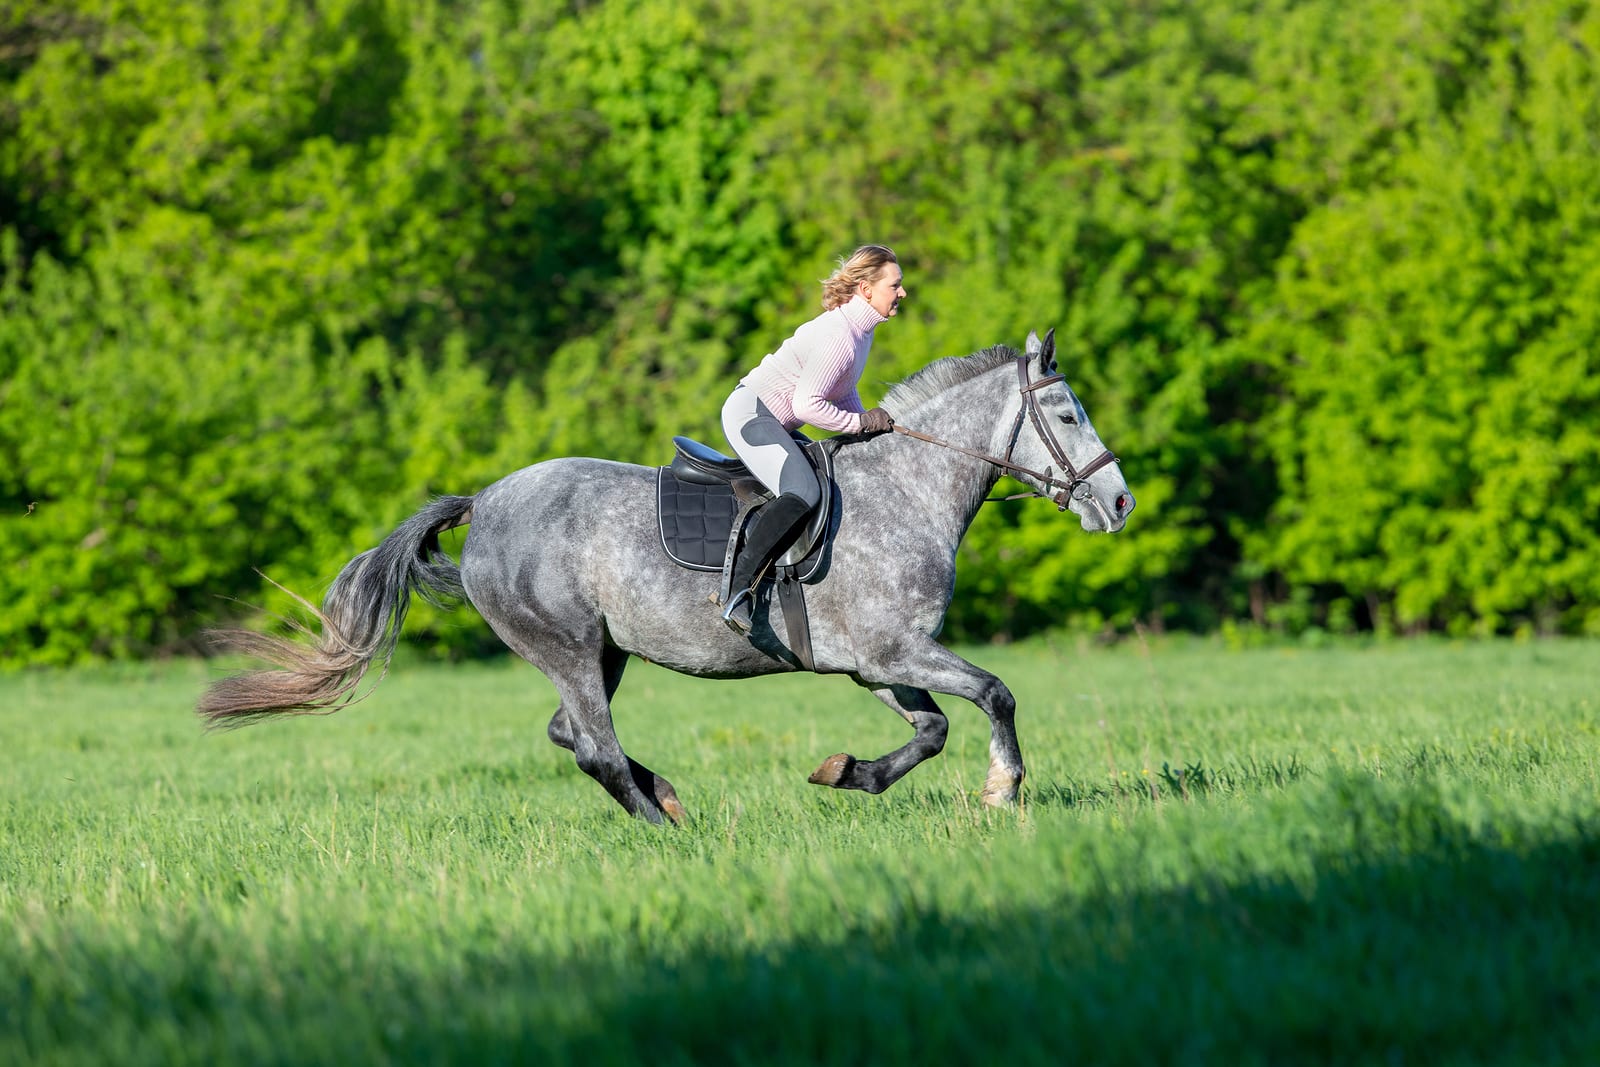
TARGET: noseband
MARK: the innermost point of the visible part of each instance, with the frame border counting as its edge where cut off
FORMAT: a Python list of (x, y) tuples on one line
[(1075, 486)]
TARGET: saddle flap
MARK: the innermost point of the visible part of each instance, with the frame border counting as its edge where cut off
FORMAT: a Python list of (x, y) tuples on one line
[(816, 528)]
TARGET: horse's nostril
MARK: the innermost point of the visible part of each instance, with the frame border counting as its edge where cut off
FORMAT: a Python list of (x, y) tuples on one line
[(1122, 502)]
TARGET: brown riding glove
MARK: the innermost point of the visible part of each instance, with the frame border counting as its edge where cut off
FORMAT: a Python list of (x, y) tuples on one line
[(876, 420)]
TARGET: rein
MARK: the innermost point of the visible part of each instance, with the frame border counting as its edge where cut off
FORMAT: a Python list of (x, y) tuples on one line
[(1076, 479)]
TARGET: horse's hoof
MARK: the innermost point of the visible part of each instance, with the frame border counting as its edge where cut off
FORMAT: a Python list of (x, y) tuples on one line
[(1001, 788), (998, 800), (667, 800), (833, 770)]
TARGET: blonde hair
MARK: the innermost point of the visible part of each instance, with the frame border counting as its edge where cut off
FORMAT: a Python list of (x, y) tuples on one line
[(864, 265)]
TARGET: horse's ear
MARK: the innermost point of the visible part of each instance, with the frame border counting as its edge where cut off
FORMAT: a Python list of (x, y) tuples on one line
[(1032, 346), (1046, 351)]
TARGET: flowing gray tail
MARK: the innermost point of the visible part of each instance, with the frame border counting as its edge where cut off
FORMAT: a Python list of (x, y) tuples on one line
[(361, 618)]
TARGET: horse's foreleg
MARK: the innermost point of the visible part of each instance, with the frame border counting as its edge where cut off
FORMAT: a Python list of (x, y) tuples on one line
[(932, 665), (844, 771)]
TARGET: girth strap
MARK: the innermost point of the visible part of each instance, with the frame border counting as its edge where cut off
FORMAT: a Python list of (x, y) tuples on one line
[(792, 599)]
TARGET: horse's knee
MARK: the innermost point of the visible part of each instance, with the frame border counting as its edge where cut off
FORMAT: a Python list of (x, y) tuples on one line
[(932, 730), (997, 701)]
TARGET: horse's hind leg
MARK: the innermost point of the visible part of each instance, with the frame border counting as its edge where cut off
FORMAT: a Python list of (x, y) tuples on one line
[(916, 706), (595, 745), (613, 662)]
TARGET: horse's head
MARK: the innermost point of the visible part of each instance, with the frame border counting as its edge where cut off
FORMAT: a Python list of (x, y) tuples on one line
[(1059, 441)]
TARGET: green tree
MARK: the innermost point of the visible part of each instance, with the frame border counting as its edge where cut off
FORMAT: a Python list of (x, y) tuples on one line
[(1322, 272), (1436, 338)]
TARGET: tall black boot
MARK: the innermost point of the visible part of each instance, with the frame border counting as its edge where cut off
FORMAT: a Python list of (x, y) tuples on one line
[(774, 529)]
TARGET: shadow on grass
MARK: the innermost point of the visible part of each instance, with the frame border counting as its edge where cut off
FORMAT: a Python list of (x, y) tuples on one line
[(1470, 954), (1422, 943)]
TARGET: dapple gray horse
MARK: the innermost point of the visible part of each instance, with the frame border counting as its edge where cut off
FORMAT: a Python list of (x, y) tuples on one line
[(564, 560)]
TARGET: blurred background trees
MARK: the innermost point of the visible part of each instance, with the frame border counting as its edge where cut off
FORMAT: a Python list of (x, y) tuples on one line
[(1325, 273)]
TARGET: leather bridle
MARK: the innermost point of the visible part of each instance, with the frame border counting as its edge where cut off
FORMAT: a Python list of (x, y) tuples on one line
[(1075, 486)]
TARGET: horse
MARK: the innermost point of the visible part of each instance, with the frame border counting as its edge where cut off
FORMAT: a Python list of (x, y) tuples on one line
[(564, 561)]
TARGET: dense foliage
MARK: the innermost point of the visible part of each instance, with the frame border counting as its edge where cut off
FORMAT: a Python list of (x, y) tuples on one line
[(1327, 275)]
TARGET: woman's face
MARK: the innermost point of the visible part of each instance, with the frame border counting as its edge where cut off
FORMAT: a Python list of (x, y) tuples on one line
[(887, 291)]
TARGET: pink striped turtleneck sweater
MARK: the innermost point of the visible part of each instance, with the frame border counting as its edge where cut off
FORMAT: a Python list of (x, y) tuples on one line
[(812, 376)]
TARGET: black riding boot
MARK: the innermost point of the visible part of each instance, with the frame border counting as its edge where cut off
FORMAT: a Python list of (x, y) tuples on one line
[(773, 530)]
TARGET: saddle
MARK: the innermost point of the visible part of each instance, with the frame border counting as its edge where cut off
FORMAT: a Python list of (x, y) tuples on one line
[(704, 502)]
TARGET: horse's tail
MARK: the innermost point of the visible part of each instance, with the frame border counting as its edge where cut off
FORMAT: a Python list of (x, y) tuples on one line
[(360, 616)]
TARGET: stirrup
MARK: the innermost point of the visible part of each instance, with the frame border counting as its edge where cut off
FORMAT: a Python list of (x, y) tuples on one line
[(739, 621)]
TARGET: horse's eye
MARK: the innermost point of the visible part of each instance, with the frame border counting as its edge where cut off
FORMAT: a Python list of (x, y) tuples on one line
[(1070, 420)]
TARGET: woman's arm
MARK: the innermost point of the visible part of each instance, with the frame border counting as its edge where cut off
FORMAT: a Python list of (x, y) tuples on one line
[(825, 367)]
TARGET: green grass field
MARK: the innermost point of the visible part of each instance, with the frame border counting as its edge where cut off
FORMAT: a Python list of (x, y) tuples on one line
[(1385, 854)]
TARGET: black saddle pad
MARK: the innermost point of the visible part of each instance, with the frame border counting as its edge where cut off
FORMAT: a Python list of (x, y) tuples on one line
[(695, 520)]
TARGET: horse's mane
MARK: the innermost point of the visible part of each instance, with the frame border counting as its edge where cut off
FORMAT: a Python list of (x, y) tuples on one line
[(943, 374)]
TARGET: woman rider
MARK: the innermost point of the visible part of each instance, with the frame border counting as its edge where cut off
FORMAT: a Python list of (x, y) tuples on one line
[(811, 378)]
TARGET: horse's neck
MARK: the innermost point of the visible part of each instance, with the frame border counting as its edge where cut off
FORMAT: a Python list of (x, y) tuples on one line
[(947, 486)]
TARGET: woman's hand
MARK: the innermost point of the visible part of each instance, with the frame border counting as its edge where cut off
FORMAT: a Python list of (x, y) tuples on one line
[(876, 420)]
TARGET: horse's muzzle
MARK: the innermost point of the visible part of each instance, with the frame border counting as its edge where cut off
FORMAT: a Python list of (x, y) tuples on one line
[(1097, 516)]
